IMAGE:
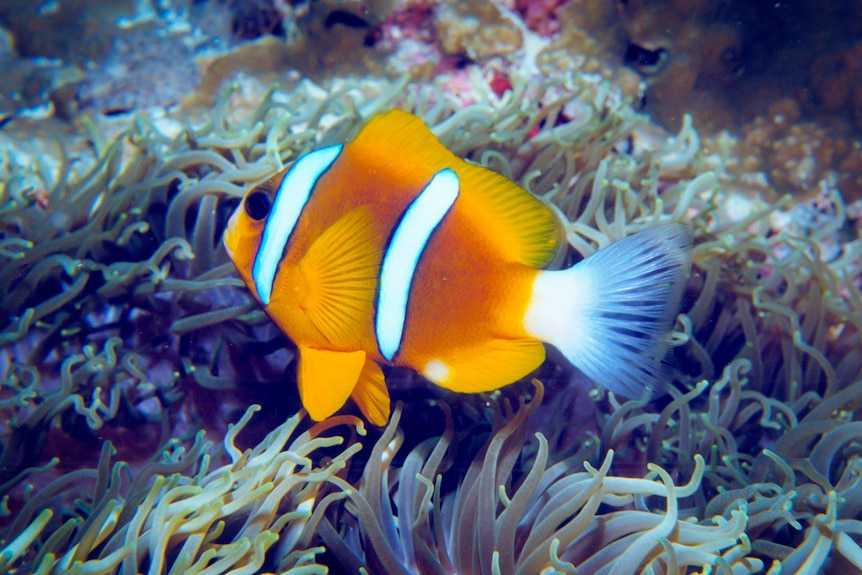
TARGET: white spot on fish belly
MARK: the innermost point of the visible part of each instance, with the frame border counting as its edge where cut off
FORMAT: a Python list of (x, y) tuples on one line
[(436, 371)]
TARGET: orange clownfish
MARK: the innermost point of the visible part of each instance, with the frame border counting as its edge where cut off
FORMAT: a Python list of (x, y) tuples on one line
[(391, 250)]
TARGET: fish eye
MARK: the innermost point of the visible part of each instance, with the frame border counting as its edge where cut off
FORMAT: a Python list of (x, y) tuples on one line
[(257, 205)]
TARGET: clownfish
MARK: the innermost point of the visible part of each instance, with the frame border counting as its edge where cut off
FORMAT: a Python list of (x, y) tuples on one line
[(390, 250)]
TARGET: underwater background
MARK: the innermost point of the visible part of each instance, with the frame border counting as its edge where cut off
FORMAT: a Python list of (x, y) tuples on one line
[(149, 416)]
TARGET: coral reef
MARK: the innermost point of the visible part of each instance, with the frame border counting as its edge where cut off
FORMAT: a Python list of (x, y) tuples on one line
[(723, 61), (124, 337), (782, 78), (162, 63), (797, 156), (476, 30)]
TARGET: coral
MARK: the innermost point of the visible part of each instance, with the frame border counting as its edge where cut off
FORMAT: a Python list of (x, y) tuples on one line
[(723, 62), (256, 18), (477, 30), (337, 34), (142, 69), (541, 17), (780, 152), (77, 30)]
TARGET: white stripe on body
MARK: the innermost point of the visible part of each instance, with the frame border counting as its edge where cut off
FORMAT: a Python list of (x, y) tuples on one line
[(419, 221), (289, 201)]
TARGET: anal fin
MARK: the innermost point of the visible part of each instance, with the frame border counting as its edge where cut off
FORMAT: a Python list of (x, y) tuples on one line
[(487, 367), (327, 378), (371, 395)]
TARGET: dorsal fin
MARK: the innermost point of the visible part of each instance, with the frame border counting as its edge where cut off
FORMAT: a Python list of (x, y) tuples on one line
[(403, 141), (526, 230)]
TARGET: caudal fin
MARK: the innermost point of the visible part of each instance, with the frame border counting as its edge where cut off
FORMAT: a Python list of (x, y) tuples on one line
[(610, 315)]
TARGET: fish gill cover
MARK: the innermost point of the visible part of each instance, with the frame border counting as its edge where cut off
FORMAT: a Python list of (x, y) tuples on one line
[(133, 359)]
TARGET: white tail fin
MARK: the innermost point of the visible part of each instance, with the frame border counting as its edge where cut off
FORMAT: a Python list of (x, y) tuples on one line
[(610, 315)]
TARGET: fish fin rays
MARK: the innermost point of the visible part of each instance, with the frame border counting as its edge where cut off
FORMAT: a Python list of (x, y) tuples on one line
[(486, 367), (528, 230), (611, 315), (338, 276), (327, 378), (371, 395), (397, 134)]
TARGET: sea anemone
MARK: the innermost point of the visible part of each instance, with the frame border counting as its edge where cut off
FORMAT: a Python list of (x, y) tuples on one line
[(177, 515), (512, 512), (120, 306)]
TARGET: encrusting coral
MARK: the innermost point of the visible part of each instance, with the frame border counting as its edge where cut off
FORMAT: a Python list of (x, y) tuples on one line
[(119, 305)]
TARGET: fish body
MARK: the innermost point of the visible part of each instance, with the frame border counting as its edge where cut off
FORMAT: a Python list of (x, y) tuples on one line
[(391, 250)]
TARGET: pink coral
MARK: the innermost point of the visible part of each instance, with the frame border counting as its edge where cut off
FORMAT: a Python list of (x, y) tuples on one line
[(541, 16)]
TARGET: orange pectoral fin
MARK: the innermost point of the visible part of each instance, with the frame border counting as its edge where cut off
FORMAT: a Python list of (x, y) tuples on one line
[(371, 395), (327, 378), (487, 367), (338, 277)]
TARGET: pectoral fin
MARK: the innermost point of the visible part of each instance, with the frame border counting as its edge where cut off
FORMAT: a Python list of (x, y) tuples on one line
[(371, 395), (338, 277), (327, 378)]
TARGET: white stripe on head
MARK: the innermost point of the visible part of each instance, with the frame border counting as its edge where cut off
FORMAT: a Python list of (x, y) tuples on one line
[(419, 221), (287, 205)]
